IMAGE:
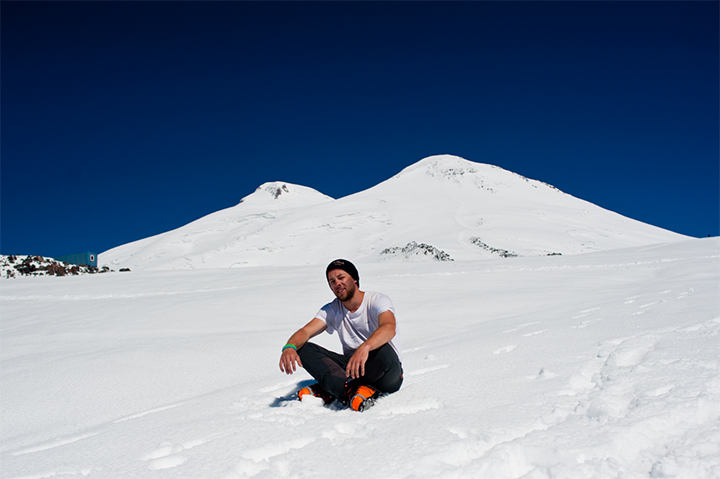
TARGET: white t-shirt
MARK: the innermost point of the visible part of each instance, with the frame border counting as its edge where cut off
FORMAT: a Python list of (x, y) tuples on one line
[(355, 328)]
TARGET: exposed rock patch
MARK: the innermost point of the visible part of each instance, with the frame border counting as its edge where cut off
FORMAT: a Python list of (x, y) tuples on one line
[(13, 266), (414, 250), (498, 251)]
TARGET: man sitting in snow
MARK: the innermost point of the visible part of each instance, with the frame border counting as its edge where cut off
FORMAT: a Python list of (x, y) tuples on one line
[(365, 322)]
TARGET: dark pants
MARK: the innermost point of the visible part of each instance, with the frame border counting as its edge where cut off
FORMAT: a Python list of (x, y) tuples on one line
[(383, 370)]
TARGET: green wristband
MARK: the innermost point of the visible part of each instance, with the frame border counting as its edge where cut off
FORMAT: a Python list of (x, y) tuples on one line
[(289, 346)]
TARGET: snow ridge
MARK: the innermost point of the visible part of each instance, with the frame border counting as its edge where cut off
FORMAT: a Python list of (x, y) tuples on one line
[(445, 201)]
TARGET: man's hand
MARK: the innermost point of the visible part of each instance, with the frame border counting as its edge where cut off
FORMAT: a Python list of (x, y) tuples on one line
[(289, 361), (356, 365), (384, 333)]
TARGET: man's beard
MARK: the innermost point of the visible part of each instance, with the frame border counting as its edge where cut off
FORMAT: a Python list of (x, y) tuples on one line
[(347, 295)]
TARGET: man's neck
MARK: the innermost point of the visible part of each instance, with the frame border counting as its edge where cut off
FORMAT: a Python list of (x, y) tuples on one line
[(355, 302)]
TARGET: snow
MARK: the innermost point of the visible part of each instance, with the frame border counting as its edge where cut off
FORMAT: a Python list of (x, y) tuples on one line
[(600, 364), (545, 337), (460, 208)]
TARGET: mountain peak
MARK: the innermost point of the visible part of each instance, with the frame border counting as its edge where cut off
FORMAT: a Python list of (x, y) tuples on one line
[(280, 194), (459, 172), (441, 208), (442, 165)]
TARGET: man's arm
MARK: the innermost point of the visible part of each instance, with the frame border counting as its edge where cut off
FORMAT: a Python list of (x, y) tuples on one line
[(289, 361), (384, 333)]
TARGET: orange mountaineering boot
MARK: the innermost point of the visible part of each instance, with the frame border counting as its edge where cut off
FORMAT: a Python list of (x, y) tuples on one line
[(364, 398), (317, 391)]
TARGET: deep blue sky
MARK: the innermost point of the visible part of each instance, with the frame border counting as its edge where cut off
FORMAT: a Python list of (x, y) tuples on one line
[(121, 120)]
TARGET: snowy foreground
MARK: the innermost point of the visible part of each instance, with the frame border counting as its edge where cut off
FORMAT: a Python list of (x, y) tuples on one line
[(597, 365)]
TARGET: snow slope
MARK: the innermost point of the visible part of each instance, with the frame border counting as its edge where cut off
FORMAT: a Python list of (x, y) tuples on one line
[(456, 208), (600, 365)]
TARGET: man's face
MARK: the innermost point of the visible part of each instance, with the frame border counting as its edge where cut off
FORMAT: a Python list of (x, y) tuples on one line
[(342, 284)]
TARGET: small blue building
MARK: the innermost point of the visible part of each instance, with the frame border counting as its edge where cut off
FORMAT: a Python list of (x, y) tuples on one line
[(86, 258)]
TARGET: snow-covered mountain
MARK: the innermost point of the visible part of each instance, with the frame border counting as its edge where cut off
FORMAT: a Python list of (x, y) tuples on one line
[(598, 365), (441, 208)]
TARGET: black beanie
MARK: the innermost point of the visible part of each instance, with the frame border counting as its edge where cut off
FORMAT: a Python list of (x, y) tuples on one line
[(346, 266)]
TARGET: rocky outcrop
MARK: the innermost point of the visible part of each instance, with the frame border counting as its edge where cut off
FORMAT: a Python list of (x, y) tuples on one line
[(13, 266), (414, 250)]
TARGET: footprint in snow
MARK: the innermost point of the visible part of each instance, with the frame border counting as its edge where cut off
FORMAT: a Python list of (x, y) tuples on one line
[(521, 326), (412, 350), (685, 294), (165, 456), (272, 449), (631, 299), (506, 349), (535, 333), (643, 308), (585, 313), (586, 323)]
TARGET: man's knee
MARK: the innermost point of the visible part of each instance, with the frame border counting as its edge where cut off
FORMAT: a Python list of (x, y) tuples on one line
[(310, 351), (385, 357), (306, 349)]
